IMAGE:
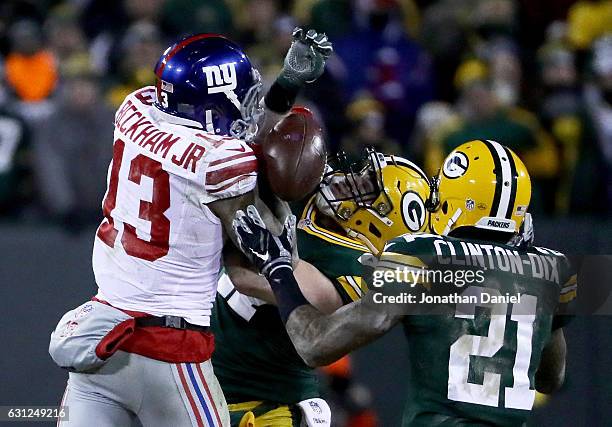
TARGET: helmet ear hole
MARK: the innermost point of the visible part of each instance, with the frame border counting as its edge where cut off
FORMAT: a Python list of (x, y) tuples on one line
[(445, 207), (375, 231)]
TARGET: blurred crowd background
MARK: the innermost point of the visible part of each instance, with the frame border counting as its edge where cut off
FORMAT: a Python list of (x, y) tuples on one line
[(412, 77)]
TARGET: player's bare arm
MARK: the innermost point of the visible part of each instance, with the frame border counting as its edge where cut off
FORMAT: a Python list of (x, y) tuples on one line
[(242, 274), (318, 289), (225, 210), (551, 373), (322, 339), (318, 338)]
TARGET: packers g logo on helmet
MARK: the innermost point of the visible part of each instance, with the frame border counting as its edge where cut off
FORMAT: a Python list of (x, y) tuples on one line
[(455, 165), (376, 201), (483, 185), (413, 211)]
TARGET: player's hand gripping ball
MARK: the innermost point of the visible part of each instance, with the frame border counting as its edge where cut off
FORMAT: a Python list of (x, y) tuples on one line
[(294, 155)]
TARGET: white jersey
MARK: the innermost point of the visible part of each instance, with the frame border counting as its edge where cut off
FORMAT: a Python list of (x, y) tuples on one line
[(158, 250)]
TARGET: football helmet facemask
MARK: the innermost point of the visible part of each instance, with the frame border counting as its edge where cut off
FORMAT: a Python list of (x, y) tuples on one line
[(376, 199)]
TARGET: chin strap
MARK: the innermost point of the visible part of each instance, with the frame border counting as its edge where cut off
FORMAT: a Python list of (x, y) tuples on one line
[(363, 239), (452, 221)]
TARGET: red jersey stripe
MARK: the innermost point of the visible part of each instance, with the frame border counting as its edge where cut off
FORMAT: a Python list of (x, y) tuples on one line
[(234, 157), (228, 185), (233, 171)]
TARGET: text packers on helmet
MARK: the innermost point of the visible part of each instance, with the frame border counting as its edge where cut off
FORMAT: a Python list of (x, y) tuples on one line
[(380, 199), (483, 185)]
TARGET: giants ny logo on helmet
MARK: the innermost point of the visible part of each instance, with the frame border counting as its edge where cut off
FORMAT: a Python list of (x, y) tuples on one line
[(221, 78)]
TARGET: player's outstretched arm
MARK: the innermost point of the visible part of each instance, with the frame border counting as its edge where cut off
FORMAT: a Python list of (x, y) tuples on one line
[(318, 289), (304, 63), (225, 210), (322, 339), (551, 372), (243, 275), (318, 338)]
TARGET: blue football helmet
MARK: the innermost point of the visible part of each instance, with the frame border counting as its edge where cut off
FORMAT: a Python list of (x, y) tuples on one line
[(209, 79)]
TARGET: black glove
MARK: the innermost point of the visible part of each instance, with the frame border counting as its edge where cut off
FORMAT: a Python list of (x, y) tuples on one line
[(266, 251)]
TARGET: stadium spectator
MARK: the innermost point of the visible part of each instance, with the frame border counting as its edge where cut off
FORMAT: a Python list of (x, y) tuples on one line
[(482, 116), (563, 114), (444, 36), (193, 16), (256, 21), (380, 57), (366, 119), (432, 118), (66, 40), (71, 155), (589, 20), (30, 69), (405, 53), (15, 177), (351, 401), (140, 49), (335, 17), (599, 104)]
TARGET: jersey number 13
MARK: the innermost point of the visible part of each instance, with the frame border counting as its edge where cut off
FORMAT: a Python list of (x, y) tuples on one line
[(158, 245)]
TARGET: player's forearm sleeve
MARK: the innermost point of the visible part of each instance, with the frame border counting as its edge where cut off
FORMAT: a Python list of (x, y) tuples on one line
[(280, 98), (287, 292)]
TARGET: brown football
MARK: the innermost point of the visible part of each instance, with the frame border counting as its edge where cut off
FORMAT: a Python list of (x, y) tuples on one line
[(294, 155)]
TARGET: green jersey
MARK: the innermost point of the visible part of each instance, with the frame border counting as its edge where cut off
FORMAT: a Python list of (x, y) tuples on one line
[(474, 362), (254, 358)]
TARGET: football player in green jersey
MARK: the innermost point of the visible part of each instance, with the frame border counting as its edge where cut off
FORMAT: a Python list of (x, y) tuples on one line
[(478, 355), (358, 208)]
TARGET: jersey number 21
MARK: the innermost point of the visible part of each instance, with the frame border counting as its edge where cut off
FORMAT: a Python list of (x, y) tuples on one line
[(520, 395)]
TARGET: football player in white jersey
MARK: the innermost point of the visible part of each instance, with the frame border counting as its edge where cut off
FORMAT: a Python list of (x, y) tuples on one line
[(182, 166)]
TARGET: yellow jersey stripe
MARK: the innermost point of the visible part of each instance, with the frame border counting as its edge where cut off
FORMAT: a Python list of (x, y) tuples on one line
[(567, 297), (348, 288), (244, 406), (403, 259), (358, 283), (571, 281), (568, 289), (329, 236)]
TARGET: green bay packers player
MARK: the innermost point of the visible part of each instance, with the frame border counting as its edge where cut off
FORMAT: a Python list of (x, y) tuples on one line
[(358, 208), (478, 349)]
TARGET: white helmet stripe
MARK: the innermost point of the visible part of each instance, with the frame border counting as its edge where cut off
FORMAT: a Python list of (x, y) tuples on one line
[(506, 173), (401, 161)]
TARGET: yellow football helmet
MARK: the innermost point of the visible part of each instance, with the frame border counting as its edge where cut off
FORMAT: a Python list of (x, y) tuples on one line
[(377, 200), (483, 185)]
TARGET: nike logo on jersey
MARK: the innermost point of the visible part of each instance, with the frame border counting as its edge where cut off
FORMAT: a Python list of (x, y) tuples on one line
[(242, 149)]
